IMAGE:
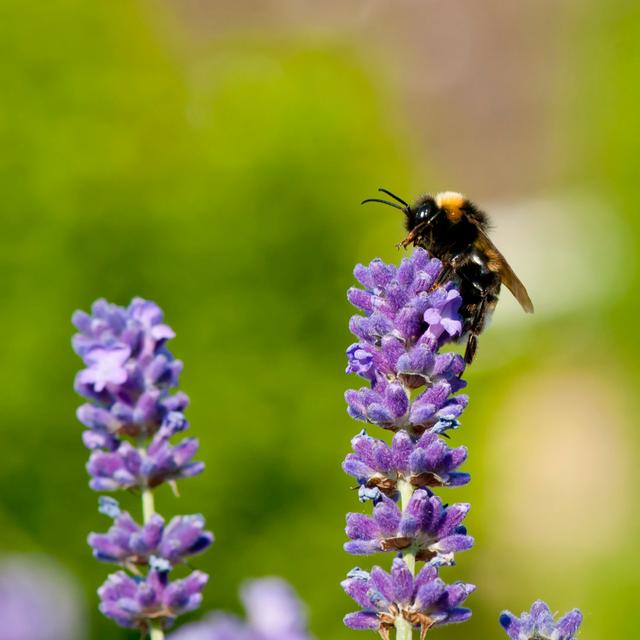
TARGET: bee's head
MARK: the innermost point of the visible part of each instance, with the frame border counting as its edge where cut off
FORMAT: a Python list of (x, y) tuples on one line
[(423, 212)]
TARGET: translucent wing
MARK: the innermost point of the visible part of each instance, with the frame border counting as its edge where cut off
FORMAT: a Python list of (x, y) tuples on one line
[(498, 263)]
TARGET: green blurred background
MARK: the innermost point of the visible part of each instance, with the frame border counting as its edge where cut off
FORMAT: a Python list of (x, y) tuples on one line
[(211, 156)]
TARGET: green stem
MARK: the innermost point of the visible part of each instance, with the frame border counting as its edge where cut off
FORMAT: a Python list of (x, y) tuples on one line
[(148, 509), (404, 629), (155, 631), (148, 504)]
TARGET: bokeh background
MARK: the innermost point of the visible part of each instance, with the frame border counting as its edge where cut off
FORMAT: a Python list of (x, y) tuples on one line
[(211, 155)]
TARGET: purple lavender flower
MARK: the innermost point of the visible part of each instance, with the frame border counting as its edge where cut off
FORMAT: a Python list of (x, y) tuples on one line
[(130, 544), (131, 415), (424, 525), (428, 462), (424, 601), (539, 624), (412, 390), (133, 601), (407, 317), (274, 612)]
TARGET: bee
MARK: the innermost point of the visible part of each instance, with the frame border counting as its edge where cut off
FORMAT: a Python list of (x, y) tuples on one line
[(453, 229)]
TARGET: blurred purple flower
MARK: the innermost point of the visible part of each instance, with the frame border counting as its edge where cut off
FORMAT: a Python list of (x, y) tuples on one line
[(39, 601), (424, 601), (539, 624), (274, 612)]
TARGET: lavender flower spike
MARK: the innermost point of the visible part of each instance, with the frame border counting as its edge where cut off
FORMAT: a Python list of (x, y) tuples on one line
[(539, 624), (408, 316), (131, 414)]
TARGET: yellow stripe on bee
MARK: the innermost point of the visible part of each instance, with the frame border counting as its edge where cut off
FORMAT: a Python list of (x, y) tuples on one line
[(451, 202)]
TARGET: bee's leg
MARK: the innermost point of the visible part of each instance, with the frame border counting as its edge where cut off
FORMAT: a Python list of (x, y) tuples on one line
[(475, 328), (472, 345), (478, 321), (407, 241), (444, 277), (448, 269)]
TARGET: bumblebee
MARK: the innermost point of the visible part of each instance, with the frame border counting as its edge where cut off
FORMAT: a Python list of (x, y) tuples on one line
[(453, 229)]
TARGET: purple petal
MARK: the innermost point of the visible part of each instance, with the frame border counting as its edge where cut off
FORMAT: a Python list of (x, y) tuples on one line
[(362, 620), (569, 623), (402, 581)]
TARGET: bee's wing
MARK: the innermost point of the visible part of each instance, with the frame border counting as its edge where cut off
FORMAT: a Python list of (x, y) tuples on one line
[(498, 263)]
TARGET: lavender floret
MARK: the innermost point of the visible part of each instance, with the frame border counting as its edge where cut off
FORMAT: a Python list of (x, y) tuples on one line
[(423, 601), (133, 601), (539, 624), (424, 526), (130, 544), (427, 462), (387, 405), (128, 467)]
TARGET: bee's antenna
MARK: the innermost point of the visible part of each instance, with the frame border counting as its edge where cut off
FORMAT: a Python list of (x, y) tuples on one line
[(391, 204), (395, 197)]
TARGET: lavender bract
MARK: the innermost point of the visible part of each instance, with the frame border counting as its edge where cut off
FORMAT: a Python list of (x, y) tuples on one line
[(131, 414), (412, 390), (539, 624)]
